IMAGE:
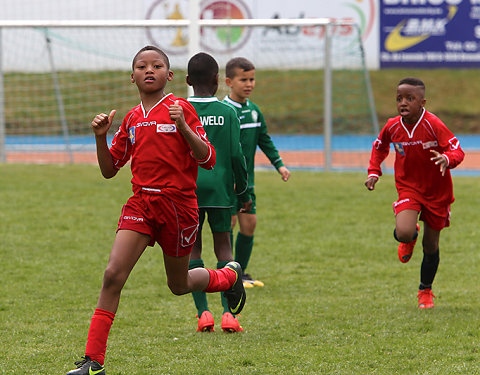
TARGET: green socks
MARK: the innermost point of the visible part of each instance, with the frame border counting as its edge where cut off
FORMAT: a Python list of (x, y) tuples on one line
[(200, 298), (243, 249)]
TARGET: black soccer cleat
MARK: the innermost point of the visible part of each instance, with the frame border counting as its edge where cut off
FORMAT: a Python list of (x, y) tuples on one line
[(236, 295), (87, 367)]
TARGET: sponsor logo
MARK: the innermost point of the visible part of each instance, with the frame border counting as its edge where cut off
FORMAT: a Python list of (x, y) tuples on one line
[(430, 144), (166, 128), (220, 39), (412, 30)]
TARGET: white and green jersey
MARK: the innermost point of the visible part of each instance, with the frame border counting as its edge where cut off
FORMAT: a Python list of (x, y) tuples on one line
[(253, 133), (215, 187)]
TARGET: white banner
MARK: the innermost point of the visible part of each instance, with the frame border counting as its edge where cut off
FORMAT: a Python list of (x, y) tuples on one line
[(263, 45)]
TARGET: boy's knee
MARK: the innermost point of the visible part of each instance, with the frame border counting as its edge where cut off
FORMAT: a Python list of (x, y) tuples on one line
[(405, 236), (112, 278), (176, 289)]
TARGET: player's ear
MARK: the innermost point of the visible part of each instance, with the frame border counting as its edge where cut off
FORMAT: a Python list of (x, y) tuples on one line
[(187, 79), (228, 81), (170, 75), (423, 102)]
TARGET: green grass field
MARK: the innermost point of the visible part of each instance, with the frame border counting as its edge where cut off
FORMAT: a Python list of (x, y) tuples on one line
[(336, 300)]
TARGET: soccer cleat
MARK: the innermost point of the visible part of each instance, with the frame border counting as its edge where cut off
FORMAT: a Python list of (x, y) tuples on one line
[(230, 323), (236, 295), (87, 367), (425, 299), (249, 282), (205, 322), (405, 250)]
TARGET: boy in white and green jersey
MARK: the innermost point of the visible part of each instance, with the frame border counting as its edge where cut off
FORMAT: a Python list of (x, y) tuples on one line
[(240, 77), (218, 188)]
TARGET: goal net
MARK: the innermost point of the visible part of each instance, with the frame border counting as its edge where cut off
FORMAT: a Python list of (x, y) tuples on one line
[(311, 84)]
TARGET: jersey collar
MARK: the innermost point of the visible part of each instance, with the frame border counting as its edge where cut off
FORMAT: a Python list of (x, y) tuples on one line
[(145, 115), (198, 99), (410, 134), (234, 103)]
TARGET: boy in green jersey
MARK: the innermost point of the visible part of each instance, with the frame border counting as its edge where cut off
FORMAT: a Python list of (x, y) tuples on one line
[(216, 189), (240, 77)]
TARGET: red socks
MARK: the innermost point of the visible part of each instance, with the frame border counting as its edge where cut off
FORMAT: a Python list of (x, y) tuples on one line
[(220, 280), (98, 334)]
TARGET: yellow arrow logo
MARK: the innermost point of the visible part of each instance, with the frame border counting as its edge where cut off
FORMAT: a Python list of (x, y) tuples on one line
[(395, 41)]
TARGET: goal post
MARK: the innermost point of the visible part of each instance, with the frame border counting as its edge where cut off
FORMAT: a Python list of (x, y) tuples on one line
[(313, 91)]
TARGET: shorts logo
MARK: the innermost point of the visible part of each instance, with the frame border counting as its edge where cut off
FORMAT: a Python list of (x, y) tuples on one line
[(398, 203), (399, 148), (133, 218), (189, 235), (166, 128), (131, 134)]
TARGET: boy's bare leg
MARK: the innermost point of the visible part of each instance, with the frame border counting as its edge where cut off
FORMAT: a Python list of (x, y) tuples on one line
[(126, 250)]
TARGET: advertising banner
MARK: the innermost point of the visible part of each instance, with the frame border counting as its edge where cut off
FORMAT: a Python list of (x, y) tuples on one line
[(429, 33)]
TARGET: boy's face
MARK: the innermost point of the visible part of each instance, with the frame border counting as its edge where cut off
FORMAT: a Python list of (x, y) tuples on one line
[(241, 85), (410, 102), (150, 72)]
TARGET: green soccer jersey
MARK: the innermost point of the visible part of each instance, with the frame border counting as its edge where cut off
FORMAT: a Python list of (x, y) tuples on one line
[(215, 187), (253, 133)]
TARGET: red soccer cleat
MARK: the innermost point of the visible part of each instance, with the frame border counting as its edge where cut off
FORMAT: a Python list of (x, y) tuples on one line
[(405, 250), (230, 323), (425, 299), (205, 322)]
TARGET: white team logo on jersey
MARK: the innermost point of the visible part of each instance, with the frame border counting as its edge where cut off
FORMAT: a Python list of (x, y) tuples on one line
[(166, 128), (254, 116)]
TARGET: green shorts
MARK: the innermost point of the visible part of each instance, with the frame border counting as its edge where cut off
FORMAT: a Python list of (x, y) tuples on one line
[(237, 205), (219, 219)]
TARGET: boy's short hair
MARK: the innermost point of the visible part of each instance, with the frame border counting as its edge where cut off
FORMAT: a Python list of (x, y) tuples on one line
[(151, 48), (238, 63), (202, 68), (412, 81)]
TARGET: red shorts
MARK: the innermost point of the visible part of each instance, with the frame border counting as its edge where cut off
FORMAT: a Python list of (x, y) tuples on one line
[(437, 217), (172, 225)]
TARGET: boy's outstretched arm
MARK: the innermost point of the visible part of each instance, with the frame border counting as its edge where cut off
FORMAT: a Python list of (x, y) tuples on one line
[(100, 125)]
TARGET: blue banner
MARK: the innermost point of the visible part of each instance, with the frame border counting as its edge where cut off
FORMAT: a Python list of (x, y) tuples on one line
[(429, 33)]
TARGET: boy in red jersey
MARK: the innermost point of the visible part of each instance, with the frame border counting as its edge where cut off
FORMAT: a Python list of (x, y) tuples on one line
[(166, 143), (425, 151)]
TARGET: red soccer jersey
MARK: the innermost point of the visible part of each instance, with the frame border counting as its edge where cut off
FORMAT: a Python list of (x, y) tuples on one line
[(415, 174), (162, 161)]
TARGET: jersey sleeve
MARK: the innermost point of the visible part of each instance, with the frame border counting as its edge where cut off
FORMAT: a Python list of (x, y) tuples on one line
[(192, 120), (266, 144), (121, 148), (239, 165), (380, 150), (450, 146)]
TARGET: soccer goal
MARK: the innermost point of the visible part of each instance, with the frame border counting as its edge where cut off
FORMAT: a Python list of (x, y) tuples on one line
[(312, 84)]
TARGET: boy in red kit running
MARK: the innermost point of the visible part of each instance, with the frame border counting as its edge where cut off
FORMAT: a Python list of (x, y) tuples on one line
[(166, 144), (425, 151)]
